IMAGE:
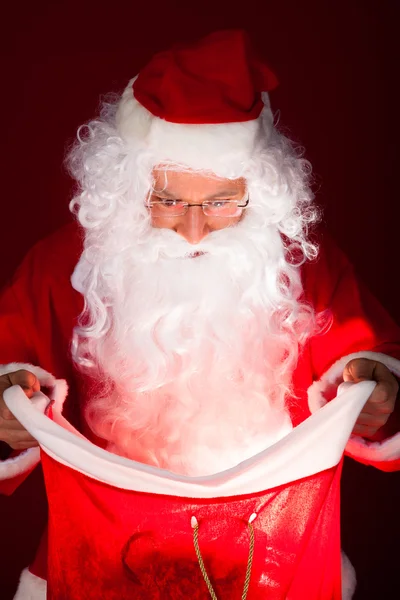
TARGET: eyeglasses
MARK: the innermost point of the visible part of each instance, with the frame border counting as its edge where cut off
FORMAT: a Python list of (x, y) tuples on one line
[(165, 207)]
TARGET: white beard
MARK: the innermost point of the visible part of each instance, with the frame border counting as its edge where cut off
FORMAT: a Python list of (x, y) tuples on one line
[(197, 354)]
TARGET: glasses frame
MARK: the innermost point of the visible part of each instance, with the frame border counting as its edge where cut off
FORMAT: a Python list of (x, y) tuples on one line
[(149, 205)]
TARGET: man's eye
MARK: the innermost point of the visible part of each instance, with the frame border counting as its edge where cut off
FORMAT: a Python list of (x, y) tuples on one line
[(168, 202), (219, 203)]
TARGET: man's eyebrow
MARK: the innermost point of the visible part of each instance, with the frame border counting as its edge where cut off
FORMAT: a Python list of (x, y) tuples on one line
[(220, 194)]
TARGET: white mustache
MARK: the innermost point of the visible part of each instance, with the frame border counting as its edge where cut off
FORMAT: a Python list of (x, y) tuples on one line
[(170, 245)]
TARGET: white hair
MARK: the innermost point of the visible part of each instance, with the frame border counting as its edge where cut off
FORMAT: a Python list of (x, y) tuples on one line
[(127, 266)]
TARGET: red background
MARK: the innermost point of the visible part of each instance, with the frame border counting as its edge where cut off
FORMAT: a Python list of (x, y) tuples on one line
[(337, 63)]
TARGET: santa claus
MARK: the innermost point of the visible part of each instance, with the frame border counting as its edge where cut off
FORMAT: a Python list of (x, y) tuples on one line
[(190, 311)]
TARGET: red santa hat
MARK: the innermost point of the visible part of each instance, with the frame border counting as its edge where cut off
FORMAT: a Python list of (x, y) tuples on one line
[(200, 105)]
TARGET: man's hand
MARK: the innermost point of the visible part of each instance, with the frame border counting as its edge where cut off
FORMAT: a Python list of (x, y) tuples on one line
[(11, 431), (381, 404)]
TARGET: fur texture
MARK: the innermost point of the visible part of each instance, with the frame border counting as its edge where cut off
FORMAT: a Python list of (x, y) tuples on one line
[(224, 149), (349, 580), (31, 587)]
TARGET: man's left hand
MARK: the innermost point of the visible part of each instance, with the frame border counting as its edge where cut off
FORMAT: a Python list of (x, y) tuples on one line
[(382, 401)]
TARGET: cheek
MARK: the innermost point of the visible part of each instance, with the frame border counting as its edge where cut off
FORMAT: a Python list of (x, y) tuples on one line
[(162, 223), (220, 223)]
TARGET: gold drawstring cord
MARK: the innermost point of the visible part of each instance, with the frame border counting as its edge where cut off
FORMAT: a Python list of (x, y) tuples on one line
[(195, 526)]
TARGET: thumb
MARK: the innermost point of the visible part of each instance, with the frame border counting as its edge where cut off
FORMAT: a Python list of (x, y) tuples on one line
[(359, 369), (27, 380)]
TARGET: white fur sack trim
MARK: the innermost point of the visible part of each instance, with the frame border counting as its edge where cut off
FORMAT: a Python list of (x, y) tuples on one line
[(223, 148), (358, 447), (31, 587), (12, 467)]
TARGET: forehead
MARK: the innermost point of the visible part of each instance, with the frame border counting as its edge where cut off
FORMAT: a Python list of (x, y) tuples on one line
[(194, 182)]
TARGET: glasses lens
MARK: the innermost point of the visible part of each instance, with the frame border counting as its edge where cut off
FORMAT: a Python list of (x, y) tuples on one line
[(168, 208), (222, 208)]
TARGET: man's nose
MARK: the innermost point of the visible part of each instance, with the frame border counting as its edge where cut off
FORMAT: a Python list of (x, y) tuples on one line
[(194, 226)]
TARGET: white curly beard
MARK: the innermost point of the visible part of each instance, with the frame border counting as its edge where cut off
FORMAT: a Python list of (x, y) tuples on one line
[(194, 352)]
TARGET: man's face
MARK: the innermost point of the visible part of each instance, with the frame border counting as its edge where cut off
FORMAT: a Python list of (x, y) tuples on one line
[(194, 188)]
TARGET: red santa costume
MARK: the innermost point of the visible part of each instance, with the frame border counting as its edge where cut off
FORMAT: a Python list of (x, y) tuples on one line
[(197, 467)]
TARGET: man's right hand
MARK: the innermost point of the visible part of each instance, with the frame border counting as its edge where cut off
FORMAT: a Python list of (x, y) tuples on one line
[(11, 431)]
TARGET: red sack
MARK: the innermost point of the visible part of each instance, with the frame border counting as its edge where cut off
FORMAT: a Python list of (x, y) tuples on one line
[(119, 529)]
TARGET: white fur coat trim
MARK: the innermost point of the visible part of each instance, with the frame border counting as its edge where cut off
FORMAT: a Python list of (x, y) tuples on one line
[(12, 467), (349, 580), (31, 587), (357, 447)]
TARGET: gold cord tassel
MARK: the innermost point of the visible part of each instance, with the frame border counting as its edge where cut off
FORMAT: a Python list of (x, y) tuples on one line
[(195, 526)]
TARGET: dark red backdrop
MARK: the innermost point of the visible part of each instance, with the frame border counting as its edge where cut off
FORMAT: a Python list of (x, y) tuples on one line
[(337, 63)]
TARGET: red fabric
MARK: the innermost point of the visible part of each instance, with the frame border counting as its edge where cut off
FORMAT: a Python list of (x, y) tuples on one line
[(219, 79), (122, 544), (39, 565)]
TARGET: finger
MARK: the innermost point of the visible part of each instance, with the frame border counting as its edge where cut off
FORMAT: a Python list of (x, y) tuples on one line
[(376, 421), (365, 430), (5, 412), (11, 425), (23, 445), (17, 436), (382, 400), (386, 382)]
